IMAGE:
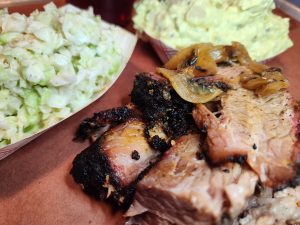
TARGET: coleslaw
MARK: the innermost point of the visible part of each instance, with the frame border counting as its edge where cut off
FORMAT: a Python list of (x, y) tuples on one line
[(52, 63)]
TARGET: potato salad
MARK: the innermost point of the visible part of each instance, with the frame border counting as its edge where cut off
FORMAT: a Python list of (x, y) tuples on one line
[(181, 23)]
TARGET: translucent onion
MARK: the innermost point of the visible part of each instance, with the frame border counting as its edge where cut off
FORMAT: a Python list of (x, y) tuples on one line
[(201, 60), (271, 88), (188, 90)]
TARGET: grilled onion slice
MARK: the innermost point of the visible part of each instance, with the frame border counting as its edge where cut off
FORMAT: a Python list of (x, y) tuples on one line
[(189, 88)]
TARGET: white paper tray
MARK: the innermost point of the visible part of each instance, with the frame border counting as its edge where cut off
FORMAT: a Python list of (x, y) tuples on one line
[(127, 43)]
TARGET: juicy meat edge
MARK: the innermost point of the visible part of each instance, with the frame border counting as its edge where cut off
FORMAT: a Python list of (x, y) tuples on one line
[(181, 182), (269, 144), (108, 168)]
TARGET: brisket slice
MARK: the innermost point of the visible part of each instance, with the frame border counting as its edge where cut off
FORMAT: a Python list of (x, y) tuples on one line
[(262, 129), (127, 139), (183, 189), (111, 166), (242, 126)]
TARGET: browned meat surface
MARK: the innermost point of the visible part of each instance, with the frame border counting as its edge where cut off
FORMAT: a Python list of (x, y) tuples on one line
[(127, 150), (162, 109), (280, 208), (111, 166), (262, 130), (95, 126), (129, 139), (183, 189), (233, 160)]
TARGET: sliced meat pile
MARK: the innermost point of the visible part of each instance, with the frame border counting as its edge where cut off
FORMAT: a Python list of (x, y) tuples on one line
[(111, 166), (126, 144), (197, 143), (262, 129), (181, 182), (243, 105), (281, 209)]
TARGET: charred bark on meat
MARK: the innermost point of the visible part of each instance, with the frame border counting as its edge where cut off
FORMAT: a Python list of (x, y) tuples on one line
[(165, 117), (161, 107), (95, 126), (91, 169), (111, 167)]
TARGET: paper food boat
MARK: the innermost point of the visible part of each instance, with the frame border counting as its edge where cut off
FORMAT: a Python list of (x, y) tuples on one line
[(127, 42)]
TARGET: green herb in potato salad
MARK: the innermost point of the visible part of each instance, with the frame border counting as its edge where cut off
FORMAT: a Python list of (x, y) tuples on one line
[(181, 23), (52, 63)]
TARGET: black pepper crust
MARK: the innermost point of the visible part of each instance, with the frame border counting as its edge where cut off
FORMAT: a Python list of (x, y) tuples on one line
[(162, 111), (91, 168), (89, 127), (158, 143), (123, 198), (155, 141), (161, 105)]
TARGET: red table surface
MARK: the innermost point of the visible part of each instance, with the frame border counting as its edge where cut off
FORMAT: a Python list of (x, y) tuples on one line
[(35, 185)]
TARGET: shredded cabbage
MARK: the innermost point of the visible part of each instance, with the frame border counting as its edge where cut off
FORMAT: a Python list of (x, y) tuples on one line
[(52, 63)]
